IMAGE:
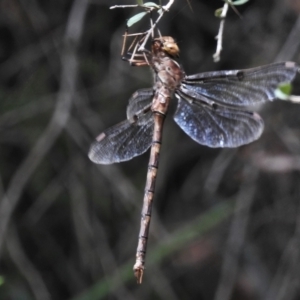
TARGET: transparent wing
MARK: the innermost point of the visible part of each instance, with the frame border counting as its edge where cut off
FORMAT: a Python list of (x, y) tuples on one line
[(139, 103), (123, 141), (216, 125), (129, 138), (239, 87)]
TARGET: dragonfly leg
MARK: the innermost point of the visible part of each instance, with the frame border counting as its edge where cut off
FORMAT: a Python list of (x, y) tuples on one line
[(136, 62), (137, 57)]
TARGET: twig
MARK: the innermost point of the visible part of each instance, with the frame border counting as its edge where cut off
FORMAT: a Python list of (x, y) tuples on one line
[(285, 282), (124, 6), (163, 10), (57, 122), (219, 37), (294, 99), (168, 6), (216, 172), (291, 45), (237, 234), (25, 266)]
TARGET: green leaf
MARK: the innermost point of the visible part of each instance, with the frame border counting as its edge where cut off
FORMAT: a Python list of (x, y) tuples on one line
[(2, 280), (136, 18), (218, 12), (139, 2), (283, 91), (237, 2), (151, 4)]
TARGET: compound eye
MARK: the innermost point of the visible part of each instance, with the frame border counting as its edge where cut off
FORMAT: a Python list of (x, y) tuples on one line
[(172, 49)]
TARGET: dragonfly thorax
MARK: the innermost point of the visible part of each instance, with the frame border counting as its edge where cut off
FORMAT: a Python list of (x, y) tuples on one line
[(167, 72)]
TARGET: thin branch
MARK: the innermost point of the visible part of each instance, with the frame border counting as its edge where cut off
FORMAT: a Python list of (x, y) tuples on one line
[(285, 282), (149, 32), (291, 45), (294, 98), (26, 267), (237, 234), (162, 10), (46, 199), (168, 6), (219, 37), (57, 122), (216, 172), (124, 6)]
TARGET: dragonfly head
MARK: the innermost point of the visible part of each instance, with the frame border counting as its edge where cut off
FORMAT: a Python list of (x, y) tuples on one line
[(166, 44)]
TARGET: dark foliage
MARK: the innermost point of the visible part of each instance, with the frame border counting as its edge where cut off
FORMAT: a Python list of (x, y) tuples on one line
[(226, 223)]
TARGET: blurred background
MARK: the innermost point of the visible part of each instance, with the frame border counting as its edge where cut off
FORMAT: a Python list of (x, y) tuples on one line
[(226, 223)]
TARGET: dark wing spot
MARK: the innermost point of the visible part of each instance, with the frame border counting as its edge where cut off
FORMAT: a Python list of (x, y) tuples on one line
[(215, 106), (240, 75)]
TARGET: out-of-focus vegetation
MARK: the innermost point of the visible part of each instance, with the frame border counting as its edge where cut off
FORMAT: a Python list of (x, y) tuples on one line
[(226, 223)]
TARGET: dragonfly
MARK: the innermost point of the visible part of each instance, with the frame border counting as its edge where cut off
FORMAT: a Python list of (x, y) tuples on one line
[(212, 109)]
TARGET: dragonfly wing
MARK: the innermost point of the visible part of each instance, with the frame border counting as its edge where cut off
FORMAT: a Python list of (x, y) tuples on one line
[(240, 87), (216, 125), (139, 103), (123, 141)]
